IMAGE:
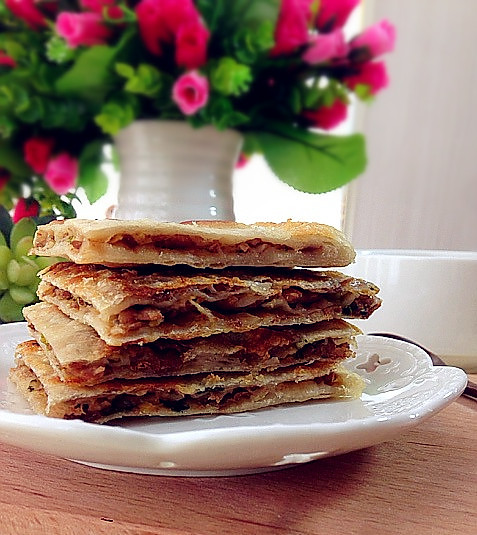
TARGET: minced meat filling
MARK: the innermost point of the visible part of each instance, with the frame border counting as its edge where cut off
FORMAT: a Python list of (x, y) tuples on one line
[(197, 244), (94, 409)]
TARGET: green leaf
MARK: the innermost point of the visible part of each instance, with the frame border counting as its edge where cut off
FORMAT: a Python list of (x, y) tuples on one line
[(147, 80), (91, 177), (229, 17), (117, 113), (58, 51), (231, 78), (90, 78), (311, 162), (12, 159)]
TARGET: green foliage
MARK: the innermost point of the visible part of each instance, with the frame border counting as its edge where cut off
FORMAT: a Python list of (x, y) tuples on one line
[(81, 97), (117, 113), (92, 177), (311, 162), (230, 77), (146, 80)]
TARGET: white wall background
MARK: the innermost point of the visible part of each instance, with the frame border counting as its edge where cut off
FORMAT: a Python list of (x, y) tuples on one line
[(420, 188)]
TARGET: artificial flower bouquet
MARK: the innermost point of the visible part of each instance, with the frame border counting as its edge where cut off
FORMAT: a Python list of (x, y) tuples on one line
[(73, 73)]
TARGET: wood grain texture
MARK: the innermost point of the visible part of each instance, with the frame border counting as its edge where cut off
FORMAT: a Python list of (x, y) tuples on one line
[(423, 482), (420, 187)]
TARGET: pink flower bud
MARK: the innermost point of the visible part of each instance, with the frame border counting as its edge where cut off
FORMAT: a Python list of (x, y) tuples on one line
[(37, 151), (7, 61), (242, 161), (291, 31), (377, 39), (372, 74), (191, 92), (61, 173), (333, 14), (324, 47), (191, 45), (25, 208), (28, 12), (82, 29), (327, 117)]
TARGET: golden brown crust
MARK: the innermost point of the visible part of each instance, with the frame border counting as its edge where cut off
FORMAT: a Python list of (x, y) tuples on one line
[(134, 306), (215, 244), (182, 396)]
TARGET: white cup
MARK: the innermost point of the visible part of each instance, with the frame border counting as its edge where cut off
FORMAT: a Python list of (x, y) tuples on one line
[(428, 296)]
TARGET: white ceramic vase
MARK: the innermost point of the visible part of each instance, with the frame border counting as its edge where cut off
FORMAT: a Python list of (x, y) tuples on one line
[(170, 171)]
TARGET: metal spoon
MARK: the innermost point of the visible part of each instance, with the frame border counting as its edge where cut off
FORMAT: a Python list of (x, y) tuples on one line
[(471, 388)]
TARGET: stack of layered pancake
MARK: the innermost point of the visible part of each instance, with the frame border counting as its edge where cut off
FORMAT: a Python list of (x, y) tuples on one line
[(169, 319)]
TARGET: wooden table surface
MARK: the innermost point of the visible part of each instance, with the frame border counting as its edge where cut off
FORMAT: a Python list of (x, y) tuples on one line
[(424, 482)]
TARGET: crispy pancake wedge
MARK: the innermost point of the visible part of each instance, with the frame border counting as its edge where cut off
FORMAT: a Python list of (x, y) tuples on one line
[(126, 305), (201, 244), (78, 355), (180, 396)]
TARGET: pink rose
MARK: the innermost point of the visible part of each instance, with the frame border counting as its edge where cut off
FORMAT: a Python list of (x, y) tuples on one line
[(25, 208), (4, 177), (333, 14), (191, 92), (7, 61), (61, 173), (377, 39), (324, 47), (37, 151), (28, 12), (159, 21), (327, 117), (371, 74), (82, 29), (191, 45), (292, 26)]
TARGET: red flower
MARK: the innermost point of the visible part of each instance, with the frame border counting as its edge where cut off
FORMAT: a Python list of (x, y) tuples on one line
[(4, 177), (37, 152), (373, 75), (27, 11), (333, 14), (82, 29), (7, 61), (61, 173), (160, 20), (292, 26), (191, 92), (25, 208), (327, 117), (191, 45)]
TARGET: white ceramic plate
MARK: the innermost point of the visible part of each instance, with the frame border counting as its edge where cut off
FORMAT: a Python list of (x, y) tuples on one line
[(403, 388)]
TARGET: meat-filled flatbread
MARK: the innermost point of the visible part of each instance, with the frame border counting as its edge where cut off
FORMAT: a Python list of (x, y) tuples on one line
[(78, 355), (126, 305), (186, 395), (215, 244)]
